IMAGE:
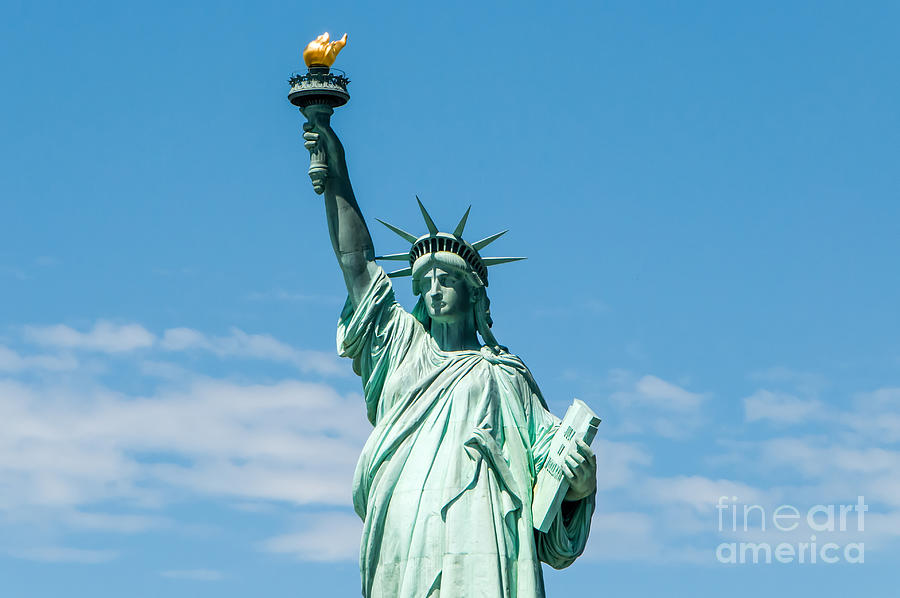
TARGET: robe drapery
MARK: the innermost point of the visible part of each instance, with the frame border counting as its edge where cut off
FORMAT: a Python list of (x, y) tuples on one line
[(444, 483)]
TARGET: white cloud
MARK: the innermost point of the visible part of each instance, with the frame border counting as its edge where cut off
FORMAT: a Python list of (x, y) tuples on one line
[(194, 574), (629, 536), (14, 272), (876, 415), (804, 382), (106, 522), (326, 537), (833, 471), (698, 492), (105, 337), (656, 392), (61, 554), (63, 448), (666, 395), (239, 344), (68, 450), (11, 361), (181, 339), (782, 408), (880, 399), (623, 536), (848, 457), (651, 404), (111, 338), (164, 369), (617, 463), (71, 446)]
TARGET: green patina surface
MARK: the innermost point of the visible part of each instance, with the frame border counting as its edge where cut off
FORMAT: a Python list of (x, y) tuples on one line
[(444, 484)]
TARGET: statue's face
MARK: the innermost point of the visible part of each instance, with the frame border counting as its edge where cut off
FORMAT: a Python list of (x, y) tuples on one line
[(448, 298)]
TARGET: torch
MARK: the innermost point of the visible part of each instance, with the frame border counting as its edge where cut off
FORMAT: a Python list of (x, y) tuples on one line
[(317, 94)]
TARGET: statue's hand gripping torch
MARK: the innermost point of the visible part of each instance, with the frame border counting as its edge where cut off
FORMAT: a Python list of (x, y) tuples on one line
[(318, 118), (317, 94)]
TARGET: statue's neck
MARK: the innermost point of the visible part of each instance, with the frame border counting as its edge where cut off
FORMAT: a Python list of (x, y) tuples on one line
[(455, 336)]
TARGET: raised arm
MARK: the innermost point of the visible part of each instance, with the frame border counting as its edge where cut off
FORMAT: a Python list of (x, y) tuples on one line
[(350, 236)]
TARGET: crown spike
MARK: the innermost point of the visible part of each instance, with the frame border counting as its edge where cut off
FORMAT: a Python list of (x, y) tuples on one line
[(405, 235), (479, 245), (432, 229), (398, 257), (462, 223), (402, 272), (493, 261)]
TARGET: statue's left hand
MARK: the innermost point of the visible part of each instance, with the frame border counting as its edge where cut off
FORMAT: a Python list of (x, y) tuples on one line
[(580, 469), (326, 154)]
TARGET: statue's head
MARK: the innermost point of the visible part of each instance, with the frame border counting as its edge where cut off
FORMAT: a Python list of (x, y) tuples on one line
[(446, 286), (451, 293), (449, 276)]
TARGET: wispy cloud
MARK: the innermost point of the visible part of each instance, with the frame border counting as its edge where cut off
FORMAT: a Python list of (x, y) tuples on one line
[(71, 450), (630, 536), (876, 415), (71, 447), (105, 336), (13, 272), (651, 404), (239, 344), (806, 383), (783, 408), (656, 392), (770, 458), (116, 523), (620, 463), (12, 361), (291, 441), (325, 537), (696, 491)]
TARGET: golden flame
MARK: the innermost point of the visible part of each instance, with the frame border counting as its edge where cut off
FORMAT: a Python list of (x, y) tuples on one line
[(321, 52)]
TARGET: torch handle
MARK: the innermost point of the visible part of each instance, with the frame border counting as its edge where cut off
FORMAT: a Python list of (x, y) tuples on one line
[(318, 114)]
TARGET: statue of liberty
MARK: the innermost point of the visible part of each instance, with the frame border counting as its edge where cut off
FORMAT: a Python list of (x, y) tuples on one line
[(444, 483)]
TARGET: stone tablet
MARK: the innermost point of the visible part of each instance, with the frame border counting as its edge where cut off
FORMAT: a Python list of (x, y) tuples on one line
[(551, 487)]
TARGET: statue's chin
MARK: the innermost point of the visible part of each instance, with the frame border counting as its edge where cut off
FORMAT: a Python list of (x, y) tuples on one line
[(444, 319)]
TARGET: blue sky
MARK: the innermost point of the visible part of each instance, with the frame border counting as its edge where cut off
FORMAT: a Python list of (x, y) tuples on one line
[(707, 193)]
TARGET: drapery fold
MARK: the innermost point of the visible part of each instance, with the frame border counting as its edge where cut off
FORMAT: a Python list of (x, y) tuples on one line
[(444, 483)]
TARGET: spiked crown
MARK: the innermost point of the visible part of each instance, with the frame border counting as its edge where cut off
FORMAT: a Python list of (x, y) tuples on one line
[(435, 241)]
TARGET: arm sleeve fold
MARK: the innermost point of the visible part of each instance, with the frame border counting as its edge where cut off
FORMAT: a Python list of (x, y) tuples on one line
[(376, 334), (567, 537)]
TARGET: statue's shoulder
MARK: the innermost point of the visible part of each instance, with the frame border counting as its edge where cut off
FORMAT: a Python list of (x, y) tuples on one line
[(501, 356), (515, 370)]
